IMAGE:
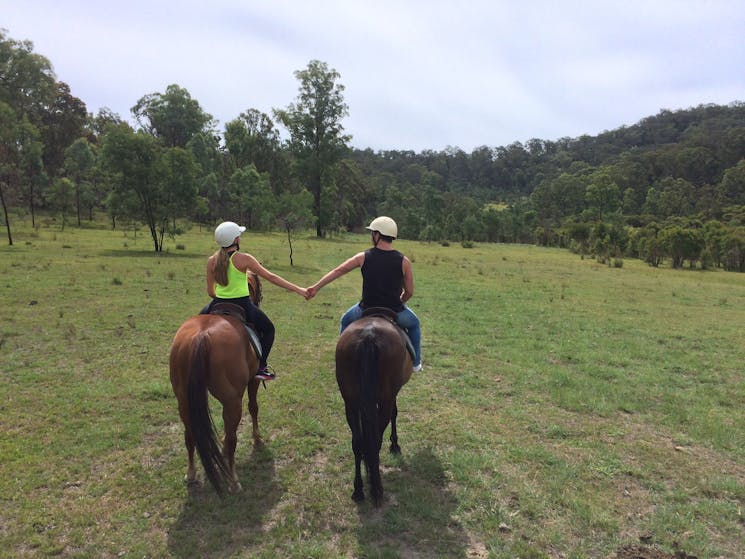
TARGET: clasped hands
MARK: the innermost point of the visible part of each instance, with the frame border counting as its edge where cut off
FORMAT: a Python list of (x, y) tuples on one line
[(309, 292)]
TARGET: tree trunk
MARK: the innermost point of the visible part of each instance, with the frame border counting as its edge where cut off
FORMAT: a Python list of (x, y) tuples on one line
[(5, 213), (289, 240)]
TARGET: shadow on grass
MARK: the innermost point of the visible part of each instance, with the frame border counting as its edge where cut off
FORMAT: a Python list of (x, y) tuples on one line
[(209, 526), (416, 519)]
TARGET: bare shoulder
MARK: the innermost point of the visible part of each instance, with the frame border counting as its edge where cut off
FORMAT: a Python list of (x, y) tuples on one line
[(244, 261)]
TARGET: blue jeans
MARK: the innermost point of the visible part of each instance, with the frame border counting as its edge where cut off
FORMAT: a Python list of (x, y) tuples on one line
[(406, 319)]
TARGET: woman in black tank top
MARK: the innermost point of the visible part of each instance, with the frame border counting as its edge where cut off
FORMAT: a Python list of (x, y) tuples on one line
[(387, 281)]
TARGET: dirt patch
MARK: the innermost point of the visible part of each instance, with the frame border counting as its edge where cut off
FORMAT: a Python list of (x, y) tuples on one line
[(634, 551)]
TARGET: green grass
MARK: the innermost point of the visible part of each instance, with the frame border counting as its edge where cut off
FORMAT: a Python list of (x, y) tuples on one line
[(566, 409)]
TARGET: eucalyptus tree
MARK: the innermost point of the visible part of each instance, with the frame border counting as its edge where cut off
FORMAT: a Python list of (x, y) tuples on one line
[(62, 198), (252, 197), (252, 138), (79, 163), (63, 123), (27, 89), (602, 193), (732, 187), (317, 138), (173, 117), (152, 184), (27, 81), (21, 167)]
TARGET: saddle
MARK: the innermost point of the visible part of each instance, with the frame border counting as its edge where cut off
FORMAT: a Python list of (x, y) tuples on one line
[(236, 311), (388, 314)]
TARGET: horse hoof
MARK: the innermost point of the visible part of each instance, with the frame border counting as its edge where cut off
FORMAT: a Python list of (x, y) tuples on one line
[(395, 449), (358, 496), (192, 483), (235, 488)]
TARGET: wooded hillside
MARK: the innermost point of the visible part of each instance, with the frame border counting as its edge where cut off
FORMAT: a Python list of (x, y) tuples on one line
[(668, 188)]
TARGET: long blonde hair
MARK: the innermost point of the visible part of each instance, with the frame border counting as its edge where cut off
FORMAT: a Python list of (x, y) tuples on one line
[(222, 260)]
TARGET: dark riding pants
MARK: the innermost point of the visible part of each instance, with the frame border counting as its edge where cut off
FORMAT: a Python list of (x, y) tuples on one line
[(254, 315)]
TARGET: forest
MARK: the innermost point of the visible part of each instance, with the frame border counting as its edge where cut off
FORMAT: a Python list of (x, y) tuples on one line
[(668, 189)]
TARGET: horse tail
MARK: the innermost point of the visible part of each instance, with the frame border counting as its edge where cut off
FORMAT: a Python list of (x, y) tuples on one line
[(368, 356), (200, 418)]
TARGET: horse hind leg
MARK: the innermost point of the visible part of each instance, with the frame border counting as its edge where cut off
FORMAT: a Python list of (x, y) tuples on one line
[(231, 415), (191, 472), (353, 420), (253, 410), (395, 449)]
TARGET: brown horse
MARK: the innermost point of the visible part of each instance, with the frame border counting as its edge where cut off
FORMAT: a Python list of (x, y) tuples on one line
[(212, 353), (372, 364)]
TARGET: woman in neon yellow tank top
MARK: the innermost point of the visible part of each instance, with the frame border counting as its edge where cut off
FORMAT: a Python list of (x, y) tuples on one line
[(226, 281)]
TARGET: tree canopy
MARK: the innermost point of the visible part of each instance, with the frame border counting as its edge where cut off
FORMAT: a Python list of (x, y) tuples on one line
[(671, 186)]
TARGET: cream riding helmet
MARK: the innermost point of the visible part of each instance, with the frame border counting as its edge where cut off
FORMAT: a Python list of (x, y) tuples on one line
[(384, 225), (226, 232)]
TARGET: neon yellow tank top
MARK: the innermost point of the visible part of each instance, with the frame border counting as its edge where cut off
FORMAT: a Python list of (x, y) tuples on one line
[(237, 283)]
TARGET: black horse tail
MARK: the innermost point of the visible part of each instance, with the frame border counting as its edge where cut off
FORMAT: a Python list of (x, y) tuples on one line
[(200, 418), (368, 370)]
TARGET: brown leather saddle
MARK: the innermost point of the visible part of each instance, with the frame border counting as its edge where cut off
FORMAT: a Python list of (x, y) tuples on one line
[(388, 314), (236, 311)]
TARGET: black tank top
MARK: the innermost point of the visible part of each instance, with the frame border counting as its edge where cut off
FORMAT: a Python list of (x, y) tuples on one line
[(382, 279)]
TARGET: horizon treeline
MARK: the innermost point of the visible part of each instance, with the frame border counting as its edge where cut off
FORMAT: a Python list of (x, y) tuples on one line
[(668, 188)]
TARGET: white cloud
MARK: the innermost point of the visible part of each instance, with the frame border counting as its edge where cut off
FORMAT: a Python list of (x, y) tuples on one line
[(418, 74)]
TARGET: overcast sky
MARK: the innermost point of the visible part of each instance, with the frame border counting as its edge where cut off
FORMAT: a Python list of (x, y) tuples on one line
[(417, 74)]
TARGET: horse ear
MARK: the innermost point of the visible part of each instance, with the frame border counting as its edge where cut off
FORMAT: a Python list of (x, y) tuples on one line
[(254, 287)]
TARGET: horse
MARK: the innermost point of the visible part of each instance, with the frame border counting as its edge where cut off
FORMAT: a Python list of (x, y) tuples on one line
[(212, 352), (372, 364)]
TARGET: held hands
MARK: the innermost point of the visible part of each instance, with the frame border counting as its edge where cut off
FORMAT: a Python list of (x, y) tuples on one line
[(304, 292), (307, 292)]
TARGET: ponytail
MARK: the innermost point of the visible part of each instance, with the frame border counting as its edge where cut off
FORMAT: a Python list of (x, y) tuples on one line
[(221, 266)]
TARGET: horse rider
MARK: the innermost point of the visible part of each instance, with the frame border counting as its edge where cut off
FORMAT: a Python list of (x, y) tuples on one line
[(387, 281), (227, 282)]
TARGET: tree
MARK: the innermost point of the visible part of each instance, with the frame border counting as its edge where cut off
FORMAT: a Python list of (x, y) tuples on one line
[(316, 134), (293, 211), (602, 193), (173, 117), (27, 82), (252, 138), (20, 160), (79, 161), (62, 123), (732, 187), (676, 197), (62, 197), (179, 183), (27, 89), (682, 243), (134, 160), (253, 196)]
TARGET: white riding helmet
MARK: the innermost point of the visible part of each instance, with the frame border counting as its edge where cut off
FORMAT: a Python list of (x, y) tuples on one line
[(226, 232), (384, 225)]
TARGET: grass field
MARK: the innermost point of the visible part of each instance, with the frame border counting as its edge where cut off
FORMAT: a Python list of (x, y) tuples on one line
[(567, 409)]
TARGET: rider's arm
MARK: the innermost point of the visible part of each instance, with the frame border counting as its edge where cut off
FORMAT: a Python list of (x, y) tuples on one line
[(348, 265), (408, 282), (244, 261)]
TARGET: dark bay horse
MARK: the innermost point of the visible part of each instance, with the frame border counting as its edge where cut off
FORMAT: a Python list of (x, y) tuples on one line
[(212, 353), (372, 364)]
